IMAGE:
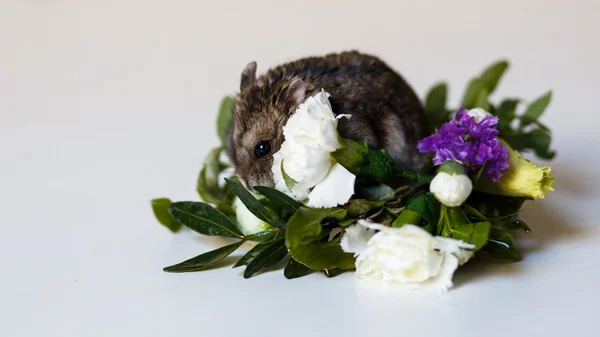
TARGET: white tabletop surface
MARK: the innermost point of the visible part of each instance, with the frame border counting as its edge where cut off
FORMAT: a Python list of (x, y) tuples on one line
[(107, 104)]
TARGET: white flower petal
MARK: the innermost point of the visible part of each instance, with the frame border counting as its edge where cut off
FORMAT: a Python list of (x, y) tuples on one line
[(335, 189), (462, 250), (355, 239), (408, 257), (478, 114), (340, 116), (247, 222), (443, 280), (310, 137)]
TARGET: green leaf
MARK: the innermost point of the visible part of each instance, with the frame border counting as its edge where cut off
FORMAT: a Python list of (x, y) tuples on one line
[(436, 98), (473, 233), (267, 257), (289, 181), (331, 273), (279, 199), (457, 217), (535, 109), (372, 164), (323, 255), (425, 205), (263, 236), (495, 206), (539, 140), (204, 219), (362, 206), (511, 224), (347, 222), (470, 210), (207, 184), (304, 231), (252, 253), (224, 119), (253, 205), (205, 260), (305, 225), (482, 100), (507, 110), (160, 207), (295, 269), (435, 104), (492, 75), (473, 89), (407, 216), (350, 155), (502, 246)]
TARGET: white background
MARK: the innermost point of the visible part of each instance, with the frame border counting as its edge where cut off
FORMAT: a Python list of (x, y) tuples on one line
[(105, 105)]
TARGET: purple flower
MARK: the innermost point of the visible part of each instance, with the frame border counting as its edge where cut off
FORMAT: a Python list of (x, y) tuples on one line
[(473, 144)]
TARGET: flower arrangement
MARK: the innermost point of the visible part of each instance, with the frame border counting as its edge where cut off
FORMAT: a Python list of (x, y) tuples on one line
[(336, 205)]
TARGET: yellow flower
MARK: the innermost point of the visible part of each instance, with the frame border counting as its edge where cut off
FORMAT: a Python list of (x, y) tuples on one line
[(522, 178)]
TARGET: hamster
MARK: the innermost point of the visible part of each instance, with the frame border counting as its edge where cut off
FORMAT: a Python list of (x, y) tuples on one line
[(385, 110)]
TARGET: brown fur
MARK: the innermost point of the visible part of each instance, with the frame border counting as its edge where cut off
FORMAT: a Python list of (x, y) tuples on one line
[(385, 110)]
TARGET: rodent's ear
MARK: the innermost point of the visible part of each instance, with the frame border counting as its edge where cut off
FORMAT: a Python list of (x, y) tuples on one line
[(294, 94), (248, 75)]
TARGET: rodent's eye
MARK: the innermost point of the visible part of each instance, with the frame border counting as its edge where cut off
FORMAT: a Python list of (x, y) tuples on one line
[(262, 149)]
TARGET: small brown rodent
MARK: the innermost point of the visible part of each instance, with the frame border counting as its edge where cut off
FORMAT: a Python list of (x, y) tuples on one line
[(385, 110)]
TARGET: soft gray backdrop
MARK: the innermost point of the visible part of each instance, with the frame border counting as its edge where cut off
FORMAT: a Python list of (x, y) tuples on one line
[(107, 104)]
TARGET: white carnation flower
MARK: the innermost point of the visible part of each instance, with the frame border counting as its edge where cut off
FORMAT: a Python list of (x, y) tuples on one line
[(310, 137), (305, 164), (335, 189), (451, 189), (247, 222), (355, 239), (478, 114), (407, 257)]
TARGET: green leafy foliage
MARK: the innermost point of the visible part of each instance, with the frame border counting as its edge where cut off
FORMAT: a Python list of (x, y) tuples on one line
[(470, 95), (407, 216), (263, 236), (502, 246), (204, 219), (473, 233), (305, 225), (372, 164), (331, 273), (224, 119), (295, 269), (477, 95), (207, 184), (268, 257), (435, 104), (279, 199), (160, 207), (205, 260), (304, 240), (535, 109), (360, 207), (253, 205), (254, 252), (426, 206), (492, 75), (455, 223), (308, 239)]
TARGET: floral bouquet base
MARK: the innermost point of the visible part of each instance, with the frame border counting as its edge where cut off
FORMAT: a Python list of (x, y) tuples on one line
[(339, 205)]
